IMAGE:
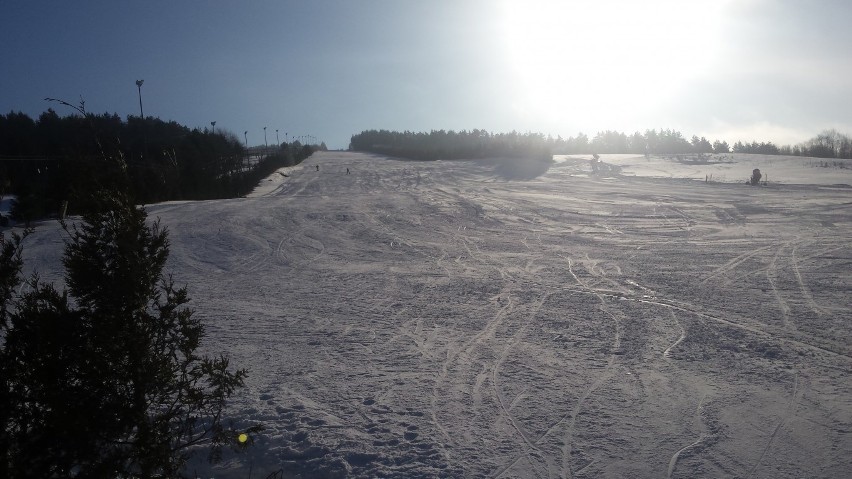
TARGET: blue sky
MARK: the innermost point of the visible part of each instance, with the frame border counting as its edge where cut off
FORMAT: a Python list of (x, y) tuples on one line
[(726, 69)]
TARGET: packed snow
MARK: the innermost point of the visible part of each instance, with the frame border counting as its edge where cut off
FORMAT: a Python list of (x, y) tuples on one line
[(415, 319)]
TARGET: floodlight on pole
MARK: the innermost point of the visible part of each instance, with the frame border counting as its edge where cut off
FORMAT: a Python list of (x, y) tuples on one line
[(245, 133), (277, 140), (213, 124), (139, 86), (265, 144)]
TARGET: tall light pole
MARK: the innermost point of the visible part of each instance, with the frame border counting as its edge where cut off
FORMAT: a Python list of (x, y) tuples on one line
[(213, 124), (139, 86), (246, 135), (277, 140), (266, 145)]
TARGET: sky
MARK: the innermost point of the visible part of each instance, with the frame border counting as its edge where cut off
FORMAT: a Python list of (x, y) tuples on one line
[(725, 69)]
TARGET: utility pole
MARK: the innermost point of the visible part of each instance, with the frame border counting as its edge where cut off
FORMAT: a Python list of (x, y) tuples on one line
[(139, 86)]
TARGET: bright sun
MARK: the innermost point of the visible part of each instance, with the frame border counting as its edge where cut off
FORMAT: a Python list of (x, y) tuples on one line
[(600, 58)]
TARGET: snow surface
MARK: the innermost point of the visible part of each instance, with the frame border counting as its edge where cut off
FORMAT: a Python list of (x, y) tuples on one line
[(731, 167), (437, 320)]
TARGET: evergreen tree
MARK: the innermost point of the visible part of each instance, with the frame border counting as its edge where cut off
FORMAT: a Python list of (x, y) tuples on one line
[(103, 380), (721, 147), (701, 145), (10, 278)]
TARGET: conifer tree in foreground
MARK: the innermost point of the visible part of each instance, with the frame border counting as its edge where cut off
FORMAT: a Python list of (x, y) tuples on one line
[(10, 279), (103, 380)]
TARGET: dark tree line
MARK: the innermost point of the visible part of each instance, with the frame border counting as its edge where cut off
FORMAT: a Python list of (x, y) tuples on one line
[(828, 144), (664, 141), (441, 144), (451, 145), (54, 159), (761, 148)]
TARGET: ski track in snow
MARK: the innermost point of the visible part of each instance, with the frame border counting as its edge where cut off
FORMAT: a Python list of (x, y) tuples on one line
[(417, 320)]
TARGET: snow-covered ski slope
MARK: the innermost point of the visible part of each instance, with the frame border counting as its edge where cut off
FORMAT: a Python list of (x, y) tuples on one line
[(416, 319)]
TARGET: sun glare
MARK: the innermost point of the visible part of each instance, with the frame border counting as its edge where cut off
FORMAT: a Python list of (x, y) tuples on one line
[(601, 58)]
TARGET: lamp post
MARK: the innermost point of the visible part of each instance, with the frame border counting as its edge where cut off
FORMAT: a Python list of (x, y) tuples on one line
[(277, 140), (139, 86), (245, 133), (213, 124), (265, 144)]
